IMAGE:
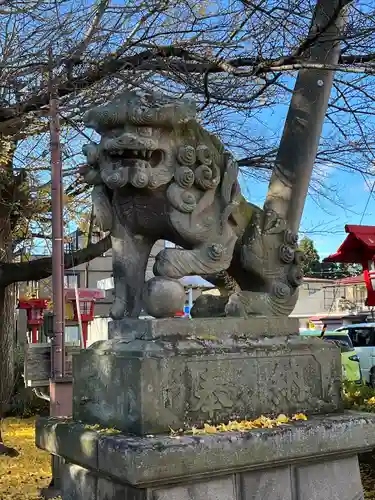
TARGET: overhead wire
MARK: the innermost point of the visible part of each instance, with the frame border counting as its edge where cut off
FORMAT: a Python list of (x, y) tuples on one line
[(368, 198)]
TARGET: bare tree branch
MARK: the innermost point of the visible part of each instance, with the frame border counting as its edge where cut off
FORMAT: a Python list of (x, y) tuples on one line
[(42, 267)]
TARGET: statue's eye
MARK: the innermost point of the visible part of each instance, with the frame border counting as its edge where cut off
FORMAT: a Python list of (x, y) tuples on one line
[(145, 131)]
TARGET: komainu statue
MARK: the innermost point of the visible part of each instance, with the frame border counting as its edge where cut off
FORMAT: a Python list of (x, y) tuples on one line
[(158, 174)]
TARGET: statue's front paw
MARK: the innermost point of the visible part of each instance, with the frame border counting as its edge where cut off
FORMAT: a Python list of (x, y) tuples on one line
[(170, 263), (117, 309)]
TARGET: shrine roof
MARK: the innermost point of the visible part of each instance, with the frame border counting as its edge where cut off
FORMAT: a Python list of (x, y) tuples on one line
[(358, 246)]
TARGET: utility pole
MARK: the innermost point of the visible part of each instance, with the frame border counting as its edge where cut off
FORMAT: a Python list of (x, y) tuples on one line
[(60, 389)]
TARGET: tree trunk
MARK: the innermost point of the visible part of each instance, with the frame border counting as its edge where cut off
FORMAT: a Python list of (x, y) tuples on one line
[(303, 126), (7, 326)]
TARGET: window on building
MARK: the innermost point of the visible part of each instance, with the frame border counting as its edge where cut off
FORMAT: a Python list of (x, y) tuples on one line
[(330, 296), (360, 294), (72, 335), (74, 241), (71, 280)]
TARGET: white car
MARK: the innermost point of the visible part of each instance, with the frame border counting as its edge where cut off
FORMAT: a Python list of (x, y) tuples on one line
[(362, 336)]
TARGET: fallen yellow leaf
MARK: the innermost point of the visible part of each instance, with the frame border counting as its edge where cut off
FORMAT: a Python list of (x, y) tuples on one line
[(282, 419), (22, 477), (299, 416), (262, 422), (209, 429)]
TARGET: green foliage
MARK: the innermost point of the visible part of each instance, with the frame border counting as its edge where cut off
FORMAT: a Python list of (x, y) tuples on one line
[(313, 268), (362, 398), (333, 270), (311, 264), (24, 403), (359, 397), (110, 431)]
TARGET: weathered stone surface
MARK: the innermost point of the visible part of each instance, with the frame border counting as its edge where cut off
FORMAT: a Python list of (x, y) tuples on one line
[(109, 490), (335, 480), (151, 329), (144, 383), (275, 483), (75, 441), (160, 461), (78, 483), (217, 489), (209, 306)]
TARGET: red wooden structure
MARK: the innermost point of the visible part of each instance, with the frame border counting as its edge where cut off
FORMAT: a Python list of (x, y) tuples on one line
[(83, 308), (77, 311), (35, 314), (359, 248)]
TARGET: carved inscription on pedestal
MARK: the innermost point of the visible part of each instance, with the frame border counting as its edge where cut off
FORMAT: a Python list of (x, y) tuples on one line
[(244, 387), (221, 391), (212, 395), (288, 385)]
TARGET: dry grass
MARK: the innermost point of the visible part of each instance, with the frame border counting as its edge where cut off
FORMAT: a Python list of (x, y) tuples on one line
[(368, 480), (22, 477)]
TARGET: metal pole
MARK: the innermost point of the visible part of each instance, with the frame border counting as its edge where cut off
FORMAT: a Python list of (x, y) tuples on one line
[(60, 392), (58, 348)]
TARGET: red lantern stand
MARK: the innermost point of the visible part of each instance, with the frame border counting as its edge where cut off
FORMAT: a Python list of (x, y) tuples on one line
[(35, 315), (83, 308), (359, 248)]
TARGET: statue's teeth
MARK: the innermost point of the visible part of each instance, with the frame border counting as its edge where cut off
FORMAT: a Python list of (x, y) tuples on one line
[(135, 152), (148, 155), (143, 153)]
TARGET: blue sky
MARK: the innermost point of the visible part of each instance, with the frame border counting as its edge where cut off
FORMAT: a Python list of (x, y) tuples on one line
[(325, 224), (322, 220)]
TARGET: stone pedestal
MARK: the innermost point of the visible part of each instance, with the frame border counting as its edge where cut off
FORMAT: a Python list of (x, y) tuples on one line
[(153, 375), (156, 374), (313, 460)]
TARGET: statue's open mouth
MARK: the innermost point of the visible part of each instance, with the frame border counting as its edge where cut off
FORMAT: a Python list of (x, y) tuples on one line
[(129, 148), (129, 156)]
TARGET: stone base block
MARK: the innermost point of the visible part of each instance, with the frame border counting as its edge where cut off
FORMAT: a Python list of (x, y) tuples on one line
[(313, 460), (158, 374), (331, 480)]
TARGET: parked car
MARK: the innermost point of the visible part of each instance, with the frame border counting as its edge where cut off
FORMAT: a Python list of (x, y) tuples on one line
[(351, 367), (362, 336)]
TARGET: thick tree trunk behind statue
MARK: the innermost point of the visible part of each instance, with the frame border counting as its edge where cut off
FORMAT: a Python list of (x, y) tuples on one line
[(7, 330), (304, 123), (6, 344), (7, 326)]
